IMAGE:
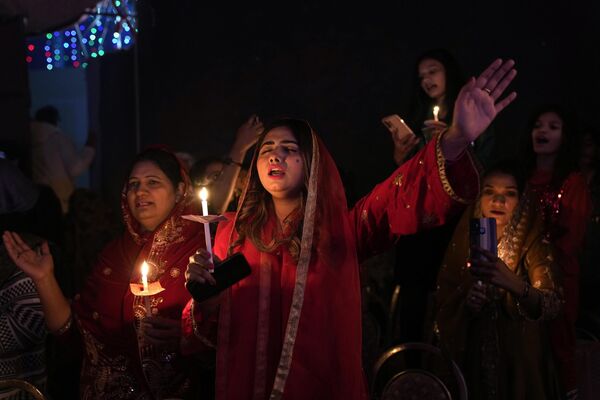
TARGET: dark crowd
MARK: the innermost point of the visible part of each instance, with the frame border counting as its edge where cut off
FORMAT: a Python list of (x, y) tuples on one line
[(388, 296)]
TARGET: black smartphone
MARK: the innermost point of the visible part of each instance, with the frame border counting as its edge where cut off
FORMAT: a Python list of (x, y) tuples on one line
[(229, 271)]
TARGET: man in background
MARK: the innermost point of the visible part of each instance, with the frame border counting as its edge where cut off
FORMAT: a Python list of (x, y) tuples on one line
[(56, 162)]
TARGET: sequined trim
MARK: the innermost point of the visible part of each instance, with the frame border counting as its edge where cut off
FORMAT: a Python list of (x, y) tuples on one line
[(441, 164), (550, 305), (283, 370)]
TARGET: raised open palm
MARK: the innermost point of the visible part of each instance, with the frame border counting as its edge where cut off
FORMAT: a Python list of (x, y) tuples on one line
[(477, 103), (37, 264)]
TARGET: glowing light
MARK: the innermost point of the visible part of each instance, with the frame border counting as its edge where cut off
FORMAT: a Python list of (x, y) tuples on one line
[(49, 67), (145, 276), (28, 59), (107, 19)]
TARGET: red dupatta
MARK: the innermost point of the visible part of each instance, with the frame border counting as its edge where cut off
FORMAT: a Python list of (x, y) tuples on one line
[(117, 362), (296, 327)]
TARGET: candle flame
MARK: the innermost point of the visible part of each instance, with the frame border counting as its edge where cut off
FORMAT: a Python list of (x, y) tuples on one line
[(436, 110), (203, 194), (145, 269)]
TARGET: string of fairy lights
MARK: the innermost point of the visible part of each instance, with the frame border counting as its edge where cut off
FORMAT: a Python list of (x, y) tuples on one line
[(110, 26)]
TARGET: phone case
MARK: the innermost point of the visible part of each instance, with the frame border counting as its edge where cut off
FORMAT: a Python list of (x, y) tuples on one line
[(395, 124), (229, 271)]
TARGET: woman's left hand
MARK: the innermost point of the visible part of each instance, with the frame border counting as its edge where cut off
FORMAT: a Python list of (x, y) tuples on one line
[(489, 268), (160, 331)]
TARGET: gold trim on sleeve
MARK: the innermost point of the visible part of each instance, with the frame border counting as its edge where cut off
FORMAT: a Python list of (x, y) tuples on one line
[(441, 164)]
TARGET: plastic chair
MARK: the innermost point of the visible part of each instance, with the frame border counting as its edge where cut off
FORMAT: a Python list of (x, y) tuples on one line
[(419, 371), (23, 386)]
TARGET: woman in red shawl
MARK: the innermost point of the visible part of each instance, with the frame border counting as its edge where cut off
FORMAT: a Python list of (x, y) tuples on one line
[(128, 354), (564, 203), (292, 329)]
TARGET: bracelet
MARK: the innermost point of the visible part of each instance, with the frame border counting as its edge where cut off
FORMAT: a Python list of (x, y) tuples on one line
[(229, 161), (66, 326)]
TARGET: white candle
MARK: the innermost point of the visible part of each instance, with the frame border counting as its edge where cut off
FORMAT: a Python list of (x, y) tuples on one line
[(145, 275), (436, 111), (204, 198), (145, 284)]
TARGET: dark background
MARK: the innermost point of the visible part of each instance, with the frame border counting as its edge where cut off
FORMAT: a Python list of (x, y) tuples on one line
[(203, 69)]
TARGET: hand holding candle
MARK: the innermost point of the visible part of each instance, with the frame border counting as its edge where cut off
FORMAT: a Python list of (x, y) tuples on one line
[(204, 197)]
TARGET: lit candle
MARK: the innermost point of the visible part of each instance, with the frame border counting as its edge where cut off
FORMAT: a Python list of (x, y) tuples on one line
[(436, 111), (145, 275), (204, 198), (146, 290)]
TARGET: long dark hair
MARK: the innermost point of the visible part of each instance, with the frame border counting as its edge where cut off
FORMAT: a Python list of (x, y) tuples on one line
[(420, 103), (257, 204), (568, 152)]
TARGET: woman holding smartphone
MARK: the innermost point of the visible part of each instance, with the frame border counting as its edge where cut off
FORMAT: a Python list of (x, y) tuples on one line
[(490, 309), (437, 82)]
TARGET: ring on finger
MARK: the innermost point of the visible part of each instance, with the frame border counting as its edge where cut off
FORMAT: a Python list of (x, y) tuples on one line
[(488, 91)]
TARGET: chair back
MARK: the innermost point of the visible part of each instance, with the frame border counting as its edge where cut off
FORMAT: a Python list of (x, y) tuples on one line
[(21, 385), (417, 370)]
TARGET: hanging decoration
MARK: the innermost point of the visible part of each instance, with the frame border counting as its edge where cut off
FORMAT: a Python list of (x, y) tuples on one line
[(110, 26)]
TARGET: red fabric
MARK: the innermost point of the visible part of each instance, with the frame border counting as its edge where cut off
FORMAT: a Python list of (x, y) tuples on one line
[(326, 362), (106, 308), (566, 229)]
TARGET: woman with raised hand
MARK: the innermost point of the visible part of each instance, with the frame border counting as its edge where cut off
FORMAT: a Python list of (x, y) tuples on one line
[(130, 346), (292, 329)]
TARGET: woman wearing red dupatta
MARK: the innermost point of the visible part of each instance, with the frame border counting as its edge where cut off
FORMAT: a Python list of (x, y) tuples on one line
[(292, 329), (129, 355), (565, 204)]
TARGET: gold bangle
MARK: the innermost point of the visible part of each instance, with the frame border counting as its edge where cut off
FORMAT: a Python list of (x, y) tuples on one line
[(66, 326)]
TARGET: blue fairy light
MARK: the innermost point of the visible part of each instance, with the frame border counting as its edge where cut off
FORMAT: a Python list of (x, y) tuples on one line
[(73, 45)]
